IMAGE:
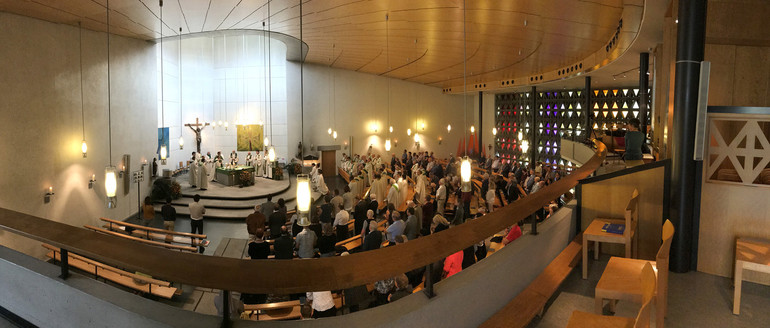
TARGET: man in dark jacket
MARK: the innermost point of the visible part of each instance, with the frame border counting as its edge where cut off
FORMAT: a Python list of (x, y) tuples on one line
[(276, 221), (284, 246), (359, 214)]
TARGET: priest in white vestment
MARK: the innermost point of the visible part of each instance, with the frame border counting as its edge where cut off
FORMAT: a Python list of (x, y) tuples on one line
[(203, 175), (394, 195), (403, 188), (193, 168), (421, 186)]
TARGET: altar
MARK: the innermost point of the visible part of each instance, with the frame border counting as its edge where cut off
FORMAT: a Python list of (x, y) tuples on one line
[(232, 176)]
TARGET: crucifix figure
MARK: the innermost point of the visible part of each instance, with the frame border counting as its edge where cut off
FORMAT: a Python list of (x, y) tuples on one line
[(197, 127)]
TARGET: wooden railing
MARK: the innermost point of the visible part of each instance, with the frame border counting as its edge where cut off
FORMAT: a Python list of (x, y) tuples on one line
[(283, 276)]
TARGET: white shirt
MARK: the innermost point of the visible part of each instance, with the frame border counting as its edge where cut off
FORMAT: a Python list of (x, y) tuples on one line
[(197, 210), (342, 218), (441, 192), (322, 301)]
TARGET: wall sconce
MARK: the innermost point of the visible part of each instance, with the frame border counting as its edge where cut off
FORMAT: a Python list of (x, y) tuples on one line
[(84, 148), (473, 129), (92, 181), (409, 132), (122, 171), (395, 143), (144, 164), (422, 126), (439, 140), (345, 144), (48, 194), (449, 128)]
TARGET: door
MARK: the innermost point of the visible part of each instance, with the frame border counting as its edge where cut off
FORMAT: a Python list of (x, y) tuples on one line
[(329, 163)]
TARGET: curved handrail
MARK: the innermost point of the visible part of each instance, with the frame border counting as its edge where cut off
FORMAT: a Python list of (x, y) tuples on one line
[(287, 276)]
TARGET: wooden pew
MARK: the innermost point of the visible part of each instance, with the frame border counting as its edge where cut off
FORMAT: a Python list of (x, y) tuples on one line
[(100, 270), (157, 234), (289, 310), (531, 301), (141, 240)]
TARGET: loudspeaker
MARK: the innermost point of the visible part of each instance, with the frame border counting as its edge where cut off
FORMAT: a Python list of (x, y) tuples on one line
[(703, 100)]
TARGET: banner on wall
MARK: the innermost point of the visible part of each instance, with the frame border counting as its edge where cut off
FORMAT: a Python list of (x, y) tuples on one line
[(250, 137), (162, 140)]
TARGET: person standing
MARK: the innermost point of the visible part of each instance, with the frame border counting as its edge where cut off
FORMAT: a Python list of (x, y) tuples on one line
[(634, 142), (268, 207), (441, 196), (255, 221), (196, 217), (203, 174), (276, 221), (148, 211), (168, 213), (306, 241), (192, 166), (284, 246)]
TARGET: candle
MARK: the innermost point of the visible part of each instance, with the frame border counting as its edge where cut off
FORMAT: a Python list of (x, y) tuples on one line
[(50, 190), (93, 177)]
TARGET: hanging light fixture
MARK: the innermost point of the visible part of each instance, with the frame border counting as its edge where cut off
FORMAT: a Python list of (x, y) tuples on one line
[(473, 129), (110, 172), (409, 132), (494, 131), (303, 199), (449, 128), (334, 135), (387, 56), (83, 145), (271, 150), (181, 116), (163, 150), (329, 131), (465, 166)]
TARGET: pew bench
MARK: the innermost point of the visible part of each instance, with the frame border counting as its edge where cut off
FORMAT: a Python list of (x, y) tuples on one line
[(156, 234), (531, 302), (136, 282), (288, 310), (144, 241)]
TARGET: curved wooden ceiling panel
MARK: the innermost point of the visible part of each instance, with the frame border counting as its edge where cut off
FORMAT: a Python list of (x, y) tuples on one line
[(504, 38)]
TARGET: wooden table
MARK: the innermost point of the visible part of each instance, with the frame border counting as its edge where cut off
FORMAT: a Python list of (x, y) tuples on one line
[(594, 233), (750, 254)]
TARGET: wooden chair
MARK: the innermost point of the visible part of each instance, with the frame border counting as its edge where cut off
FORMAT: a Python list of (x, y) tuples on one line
[(620, 280), (647, 283), (629, 237)]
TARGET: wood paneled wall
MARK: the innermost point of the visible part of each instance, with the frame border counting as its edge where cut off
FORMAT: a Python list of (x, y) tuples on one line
[(608, 198)]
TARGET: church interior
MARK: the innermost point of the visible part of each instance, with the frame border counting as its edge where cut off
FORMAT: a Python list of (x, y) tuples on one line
[(441, 163)]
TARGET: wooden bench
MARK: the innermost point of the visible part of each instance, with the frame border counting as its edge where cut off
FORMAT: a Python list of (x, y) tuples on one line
[(141, 240), (289, 310), (136, 282), (150, 233), (531, 301)]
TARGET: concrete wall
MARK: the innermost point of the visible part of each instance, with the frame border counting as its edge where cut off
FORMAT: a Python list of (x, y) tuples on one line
[(467, 299), (357, 101), (42, 130)]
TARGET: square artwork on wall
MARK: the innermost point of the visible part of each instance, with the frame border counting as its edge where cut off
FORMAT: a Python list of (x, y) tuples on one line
[(249, 137), (162, 140)]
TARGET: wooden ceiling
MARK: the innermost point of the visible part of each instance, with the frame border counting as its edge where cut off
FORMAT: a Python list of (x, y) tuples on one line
[(505, 39)]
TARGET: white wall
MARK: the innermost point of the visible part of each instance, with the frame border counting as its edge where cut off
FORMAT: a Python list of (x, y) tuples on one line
[(42, 130), (223, 81), (361, 100)]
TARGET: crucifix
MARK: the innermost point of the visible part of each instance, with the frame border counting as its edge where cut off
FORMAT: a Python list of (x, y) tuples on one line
[(197, 127)]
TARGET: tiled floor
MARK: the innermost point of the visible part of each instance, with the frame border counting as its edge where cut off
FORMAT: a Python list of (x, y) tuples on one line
[(695, 300)]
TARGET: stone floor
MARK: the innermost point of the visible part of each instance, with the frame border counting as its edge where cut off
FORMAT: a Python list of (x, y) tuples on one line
[(695, 300)]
